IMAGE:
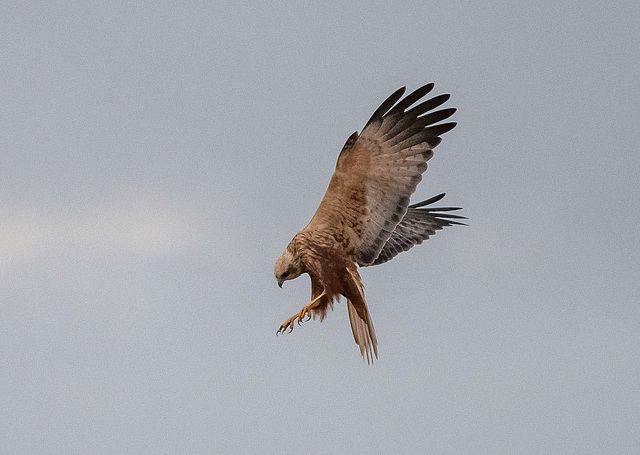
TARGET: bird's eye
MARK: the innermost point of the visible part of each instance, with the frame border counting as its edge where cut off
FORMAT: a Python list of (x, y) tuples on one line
[(285, 274)]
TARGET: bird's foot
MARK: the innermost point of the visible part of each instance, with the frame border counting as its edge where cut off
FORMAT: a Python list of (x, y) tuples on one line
[(305, 312), (288, 324)]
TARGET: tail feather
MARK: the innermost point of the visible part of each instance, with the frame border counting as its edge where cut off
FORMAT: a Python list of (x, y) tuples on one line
[(363, 332), (361, 325)]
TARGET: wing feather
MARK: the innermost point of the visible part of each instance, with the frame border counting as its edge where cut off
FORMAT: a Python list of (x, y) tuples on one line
[(378, 170), (429, 104), (417, 225)]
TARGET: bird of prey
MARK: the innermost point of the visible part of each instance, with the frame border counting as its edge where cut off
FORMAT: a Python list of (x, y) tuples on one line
[(365, 218)]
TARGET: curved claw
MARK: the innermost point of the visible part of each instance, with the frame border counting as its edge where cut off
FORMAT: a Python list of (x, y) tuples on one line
[(305, 313), (287, 325)]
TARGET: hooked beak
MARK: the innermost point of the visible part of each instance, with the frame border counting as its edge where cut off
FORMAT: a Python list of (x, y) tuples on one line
[(280, 281)]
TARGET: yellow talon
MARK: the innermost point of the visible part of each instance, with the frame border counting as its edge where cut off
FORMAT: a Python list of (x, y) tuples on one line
[(304, 312)]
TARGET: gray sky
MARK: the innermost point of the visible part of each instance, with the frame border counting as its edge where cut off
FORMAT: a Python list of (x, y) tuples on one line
[(156, 158)]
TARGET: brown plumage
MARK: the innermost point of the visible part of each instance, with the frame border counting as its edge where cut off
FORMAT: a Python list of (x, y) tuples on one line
[(364, 218)]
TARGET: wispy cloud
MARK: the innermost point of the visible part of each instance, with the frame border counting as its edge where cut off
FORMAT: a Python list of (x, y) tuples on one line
[(126, 226), (86, 235)]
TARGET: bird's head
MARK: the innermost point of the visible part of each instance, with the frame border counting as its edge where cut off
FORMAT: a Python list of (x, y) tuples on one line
[(287, 267)]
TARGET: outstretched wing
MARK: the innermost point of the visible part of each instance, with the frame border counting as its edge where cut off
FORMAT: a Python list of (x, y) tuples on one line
[(417, 225), (378, 170)]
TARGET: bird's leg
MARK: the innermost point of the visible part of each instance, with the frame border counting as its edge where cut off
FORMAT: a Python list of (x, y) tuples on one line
[(305, 311)]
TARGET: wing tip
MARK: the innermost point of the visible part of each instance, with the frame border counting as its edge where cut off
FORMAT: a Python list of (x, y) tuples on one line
[(386, 105), (429, 201)]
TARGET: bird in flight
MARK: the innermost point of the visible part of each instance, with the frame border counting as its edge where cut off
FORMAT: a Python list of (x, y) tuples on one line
[(365, 218)]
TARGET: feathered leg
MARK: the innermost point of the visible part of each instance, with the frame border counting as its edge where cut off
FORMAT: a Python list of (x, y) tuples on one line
[(323, 305)]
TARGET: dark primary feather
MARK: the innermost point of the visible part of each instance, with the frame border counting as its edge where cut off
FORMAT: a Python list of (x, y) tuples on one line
[(429, 104), (417, 226), (386, 105), (431, 200), (412, 98), (403, 139)]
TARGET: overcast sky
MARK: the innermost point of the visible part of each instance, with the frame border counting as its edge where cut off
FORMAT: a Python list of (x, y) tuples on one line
[(156, 158)]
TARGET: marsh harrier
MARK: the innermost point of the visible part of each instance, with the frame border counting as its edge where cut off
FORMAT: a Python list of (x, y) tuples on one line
[(365, 218)]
